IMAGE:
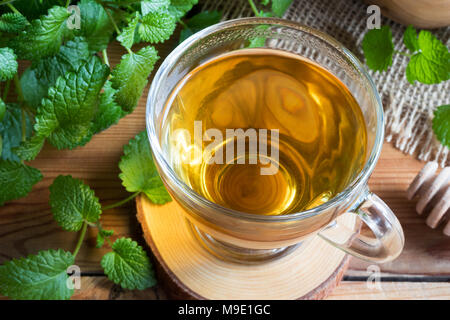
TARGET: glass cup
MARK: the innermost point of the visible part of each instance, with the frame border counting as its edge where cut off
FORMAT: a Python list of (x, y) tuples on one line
[(251, 238)]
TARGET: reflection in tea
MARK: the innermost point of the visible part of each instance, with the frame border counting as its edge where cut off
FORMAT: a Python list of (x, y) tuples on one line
[(320, 145)]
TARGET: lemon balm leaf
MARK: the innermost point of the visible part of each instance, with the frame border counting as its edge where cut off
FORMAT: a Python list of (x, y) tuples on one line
[(378, 48), (8, 64), (12, 22), (179, 8), (157, 26), (11, 131), (279, 7), (128, 265), (40, 76), (43, 36), (65, 117), (441, 124), (153, 6), (101, 237), (126, 38), (129, 77), (29, 149), (108, 112), (37, 277), (200, 21), (73, 203), (410, 39), (204, 19), (138, 171), (95, 25), (431, 64), (16, 180)]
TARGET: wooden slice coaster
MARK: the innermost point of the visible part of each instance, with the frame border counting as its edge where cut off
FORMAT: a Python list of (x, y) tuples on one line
[(187, 271)]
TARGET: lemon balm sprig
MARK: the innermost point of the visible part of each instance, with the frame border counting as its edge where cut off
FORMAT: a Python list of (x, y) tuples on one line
[(429, 63), (42, 110), (429, 58), (76, 208)]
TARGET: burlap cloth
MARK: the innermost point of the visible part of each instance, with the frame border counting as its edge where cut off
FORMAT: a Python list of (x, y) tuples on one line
[(408, 108)]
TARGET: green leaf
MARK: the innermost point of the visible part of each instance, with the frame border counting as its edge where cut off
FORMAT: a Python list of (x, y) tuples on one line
[(11, 131), (12, 22), (410, 39), (378, 48), (184, 34), (37, 277), (108, 112), (128, 265), (432, 64), (40, 76), (32, 9), (129, 77), (150, 6), (16, 180), (204, 19), (8, 64), (279, 7), (29, 149), (157, 26), (126, 38), (178, 8), (73, 203), (441, 124), (65, 117), (138, 171), (2, 111), (101, 237), (96, 27), (198, 22), (44, 36), (258, 42)]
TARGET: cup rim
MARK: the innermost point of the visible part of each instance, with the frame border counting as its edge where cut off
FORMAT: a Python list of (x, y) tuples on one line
[(162, 163)]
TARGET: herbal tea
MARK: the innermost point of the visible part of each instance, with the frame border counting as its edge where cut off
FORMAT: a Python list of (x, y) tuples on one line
[(293, 116)]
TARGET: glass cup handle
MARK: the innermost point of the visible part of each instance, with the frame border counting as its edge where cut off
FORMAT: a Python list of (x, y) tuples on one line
[(387, 242)]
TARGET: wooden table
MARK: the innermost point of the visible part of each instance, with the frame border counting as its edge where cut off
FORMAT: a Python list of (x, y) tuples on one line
[(26, 225)]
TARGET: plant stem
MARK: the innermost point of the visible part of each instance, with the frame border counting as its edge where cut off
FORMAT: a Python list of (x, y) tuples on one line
[(21, 101), (112, 21), (115, 26), (24, 126), (403, 53), (255, 10), (5, 93), (105, 57), (67, 3), (18, 88), (13, 8), (80, 239), (118, 204), (184, 25)]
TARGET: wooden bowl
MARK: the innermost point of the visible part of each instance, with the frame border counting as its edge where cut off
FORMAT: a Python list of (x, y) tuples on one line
[(420, 13)]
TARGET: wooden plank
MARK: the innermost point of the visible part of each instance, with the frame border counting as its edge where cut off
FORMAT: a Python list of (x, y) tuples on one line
[(26, 225), (426, 251), (100, 288), (349, 290)]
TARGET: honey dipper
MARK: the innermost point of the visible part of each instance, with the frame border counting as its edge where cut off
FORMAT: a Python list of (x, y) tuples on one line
[(432, 191)]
